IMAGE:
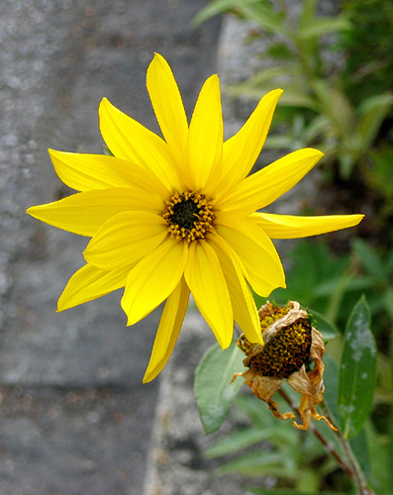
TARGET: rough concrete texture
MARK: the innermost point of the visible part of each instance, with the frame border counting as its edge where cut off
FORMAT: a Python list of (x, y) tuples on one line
[(75, 416), (177, 464)]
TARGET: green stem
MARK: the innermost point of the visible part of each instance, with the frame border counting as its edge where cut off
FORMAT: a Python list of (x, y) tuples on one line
[(319, 436), (357, 476)]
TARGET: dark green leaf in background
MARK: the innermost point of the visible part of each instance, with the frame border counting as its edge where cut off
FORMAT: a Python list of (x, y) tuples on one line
[(357, 378), (214, 391)]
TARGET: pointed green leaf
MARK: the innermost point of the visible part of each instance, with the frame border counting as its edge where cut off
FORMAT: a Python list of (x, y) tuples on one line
[(214, 391), (357, 378)]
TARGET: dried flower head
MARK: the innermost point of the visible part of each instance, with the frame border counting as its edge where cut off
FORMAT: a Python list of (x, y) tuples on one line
[(290, 346)]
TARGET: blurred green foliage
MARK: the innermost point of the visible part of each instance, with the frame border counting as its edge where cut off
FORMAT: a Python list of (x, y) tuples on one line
[(270, 447), (337, 76), (368, 48)]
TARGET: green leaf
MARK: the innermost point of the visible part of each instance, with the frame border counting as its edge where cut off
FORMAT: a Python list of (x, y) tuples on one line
[(387, 301), (243, 439), (257, 81), (331, 382), (360, 448), (373, 112), (296, 96), (380, 463), (324, 26), (357, 378), (214, 391), (266, 491), (317, 126), (328, 329), (359, 444), (382, 158), (212, 9), (262, 463), (307, 14), (263, 13)]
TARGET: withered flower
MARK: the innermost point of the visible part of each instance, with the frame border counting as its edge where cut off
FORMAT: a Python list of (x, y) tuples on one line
[(290, 346)]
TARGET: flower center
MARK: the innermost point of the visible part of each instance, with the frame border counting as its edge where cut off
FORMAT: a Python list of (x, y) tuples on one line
[(189, 216), (284, 354)]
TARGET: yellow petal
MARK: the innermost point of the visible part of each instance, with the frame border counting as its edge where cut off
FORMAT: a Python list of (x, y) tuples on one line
[(244, 308), (88, 283), (205, 139), (265, 186), (292, 227), (153, 279), (125, 238), (84, 213), (168, 107), (129, 140), (168, 330), (204, 277), (242, 150), (85, 172), (255, 253)]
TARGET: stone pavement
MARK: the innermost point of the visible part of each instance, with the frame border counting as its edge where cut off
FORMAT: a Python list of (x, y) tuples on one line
[(74, 416)]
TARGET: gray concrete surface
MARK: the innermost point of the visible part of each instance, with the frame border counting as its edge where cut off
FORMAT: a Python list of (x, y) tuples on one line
[(75, 418)]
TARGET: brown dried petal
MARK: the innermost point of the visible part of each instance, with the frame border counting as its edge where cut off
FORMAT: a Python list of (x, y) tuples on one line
[(264, 387), (311, 385)]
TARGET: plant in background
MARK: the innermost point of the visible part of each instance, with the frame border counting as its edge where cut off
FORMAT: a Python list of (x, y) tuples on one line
[(336, 73), (322, 96), (368, 48)]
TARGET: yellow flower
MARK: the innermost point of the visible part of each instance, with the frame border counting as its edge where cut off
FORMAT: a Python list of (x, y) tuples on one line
[(289, 344), (174, 215)]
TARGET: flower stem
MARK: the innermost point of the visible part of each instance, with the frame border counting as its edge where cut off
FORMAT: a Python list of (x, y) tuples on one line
[(320, 437), (358, 477), (350, 466)]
